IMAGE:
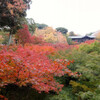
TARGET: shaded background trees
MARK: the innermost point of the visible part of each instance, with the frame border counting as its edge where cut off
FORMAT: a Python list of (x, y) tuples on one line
[(71, 33), (62, 30), (41, 26)]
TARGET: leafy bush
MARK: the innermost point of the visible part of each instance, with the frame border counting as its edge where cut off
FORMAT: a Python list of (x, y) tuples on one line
[(24, 36), (65, 94), (30, 66), (87, 63), (86, 58)]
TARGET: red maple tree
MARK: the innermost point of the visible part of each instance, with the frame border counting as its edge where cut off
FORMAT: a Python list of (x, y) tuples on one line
[(22, 66)]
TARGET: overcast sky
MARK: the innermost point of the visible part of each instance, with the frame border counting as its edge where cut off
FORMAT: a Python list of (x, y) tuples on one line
[(80, 16)]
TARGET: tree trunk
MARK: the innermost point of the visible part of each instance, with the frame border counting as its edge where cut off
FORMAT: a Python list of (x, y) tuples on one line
[(10, 38)]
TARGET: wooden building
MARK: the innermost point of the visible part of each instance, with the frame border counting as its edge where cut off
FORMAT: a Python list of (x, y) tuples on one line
[(81, 38)]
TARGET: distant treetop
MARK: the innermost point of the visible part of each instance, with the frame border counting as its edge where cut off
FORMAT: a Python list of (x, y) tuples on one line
[(62, 30), (41, 26)]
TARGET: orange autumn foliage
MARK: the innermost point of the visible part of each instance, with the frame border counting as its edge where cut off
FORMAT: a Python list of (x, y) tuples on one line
[(50, 35), (24, 65)]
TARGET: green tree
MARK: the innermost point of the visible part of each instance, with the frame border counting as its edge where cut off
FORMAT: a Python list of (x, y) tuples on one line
[(71, 33), (11, 14), (31, 24), (62, 30), (41, 26)]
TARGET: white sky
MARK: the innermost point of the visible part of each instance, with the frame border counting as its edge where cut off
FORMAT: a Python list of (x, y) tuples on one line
[(80, 16)]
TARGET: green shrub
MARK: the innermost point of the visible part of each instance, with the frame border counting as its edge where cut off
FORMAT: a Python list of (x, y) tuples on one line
[(65, 94), (87, 63), (85, 95), (77, 87)]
